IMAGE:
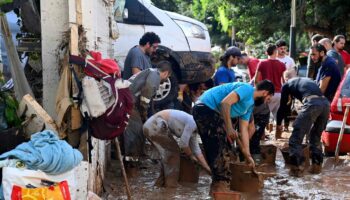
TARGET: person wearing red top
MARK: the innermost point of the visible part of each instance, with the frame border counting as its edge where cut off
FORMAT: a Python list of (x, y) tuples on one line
[(251, 63), (338, 45), (272, 70)]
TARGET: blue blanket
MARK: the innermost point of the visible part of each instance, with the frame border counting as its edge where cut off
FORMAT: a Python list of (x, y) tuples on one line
[(46, 152)]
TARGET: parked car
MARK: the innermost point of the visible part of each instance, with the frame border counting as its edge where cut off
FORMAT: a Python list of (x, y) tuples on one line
[(185, 42), (241, 73), (331, 134)]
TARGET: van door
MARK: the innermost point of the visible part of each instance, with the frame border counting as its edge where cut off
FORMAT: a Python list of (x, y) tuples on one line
[(127, 14)]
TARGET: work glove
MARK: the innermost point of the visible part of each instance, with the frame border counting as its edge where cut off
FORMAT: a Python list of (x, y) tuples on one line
[(180, 96)]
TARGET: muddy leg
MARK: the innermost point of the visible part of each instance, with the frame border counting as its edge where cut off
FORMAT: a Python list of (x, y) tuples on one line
[(216, 147), (160, 136), (160, 181), (315, 140), (172, 169)]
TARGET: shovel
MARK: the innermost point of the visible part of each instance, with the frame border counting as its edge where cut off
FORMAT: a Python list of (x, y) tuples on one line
[(341, 133)]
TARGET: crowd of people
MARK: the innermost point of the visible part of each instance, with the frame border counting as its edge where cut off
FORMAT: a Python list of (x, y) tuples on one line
[(223, 112)]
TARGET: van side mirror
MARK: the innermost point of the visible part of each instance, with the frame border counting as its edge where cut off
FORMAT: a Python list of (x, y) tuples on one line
[(125, 13)]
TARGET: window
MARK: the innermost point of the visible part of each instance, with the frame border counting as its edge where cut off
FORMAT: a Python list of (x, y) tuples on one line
[(134, 12), (118, 10)]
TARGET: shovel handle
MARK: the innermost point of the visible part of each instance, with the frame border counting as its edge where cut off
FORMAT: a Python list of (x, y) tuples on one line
[(341, 132)]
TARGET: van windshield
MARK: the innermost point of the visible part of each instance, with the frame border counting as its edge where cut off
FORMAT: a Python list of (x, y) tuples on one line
[(345, 90)]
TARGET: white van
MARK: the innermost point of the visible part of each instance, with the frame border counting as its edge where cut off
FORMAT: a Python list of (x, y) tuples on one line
[(185, 42)]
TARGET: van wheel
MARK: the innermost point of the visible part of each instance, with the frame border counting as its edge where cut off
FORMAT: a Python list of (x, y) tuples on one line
[(166, 94)]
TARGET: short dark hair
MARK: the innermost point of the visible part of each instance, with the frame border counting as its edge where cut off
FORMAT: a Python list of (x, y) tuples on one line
[(338, 37), (149, 37), (317, 37), (319, 47), (164, 66), (244, 54), (209, 83), (231, 51), (270, 48), (266, 85), (281, 43)]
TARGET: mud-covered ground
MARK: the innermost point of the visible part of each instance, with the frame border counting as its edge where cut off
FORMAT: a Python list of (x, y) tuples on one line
[(332, 183)]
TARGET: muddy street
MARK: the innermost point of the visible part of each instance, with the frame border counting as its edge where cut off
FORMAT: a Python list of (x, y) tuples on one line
[(332, 183)]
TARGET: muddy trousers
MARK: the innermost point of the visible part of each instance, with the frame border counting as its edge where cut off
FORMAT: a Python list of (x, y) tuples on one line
[(157, 132), (261, 121), (311, 120), (216, 147), (133, 138)]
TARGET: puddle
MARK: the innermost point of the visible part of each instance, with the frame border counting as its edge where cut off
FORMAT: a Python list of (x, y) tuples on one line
[(332, 183)]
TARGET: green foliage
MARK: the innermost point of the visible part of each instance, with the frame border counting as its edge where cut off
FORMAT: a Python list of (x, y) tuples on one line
[(258, 20), (11, 106), (169, 5)]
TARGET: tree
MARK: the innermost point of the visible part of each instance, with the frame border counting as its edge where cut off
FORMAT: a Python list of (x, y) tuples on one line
[(258, 20)]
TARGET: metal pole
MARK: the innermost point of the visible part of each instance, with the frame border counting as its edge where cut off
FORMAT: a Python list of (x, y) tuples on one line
[(233, 36), (292, 40)]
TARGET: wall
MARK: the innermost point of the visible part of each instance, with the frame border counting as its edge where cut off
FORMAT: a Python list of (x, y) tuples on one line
[(57, 16), (54, 21)]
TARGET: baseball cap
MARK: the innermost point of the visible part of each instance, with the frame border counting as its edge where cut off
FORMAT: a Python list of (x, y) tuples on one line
[(233, 51)]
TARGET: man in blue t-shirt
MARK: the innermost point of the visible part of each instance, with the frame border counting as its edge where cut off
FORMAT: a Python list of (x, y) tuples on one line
[(328, 76), (225, 74), (214, 112)]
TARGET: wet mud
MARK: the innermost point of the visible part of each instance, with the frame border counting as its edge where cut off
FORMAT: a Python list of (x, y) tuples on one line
[(332, 183)]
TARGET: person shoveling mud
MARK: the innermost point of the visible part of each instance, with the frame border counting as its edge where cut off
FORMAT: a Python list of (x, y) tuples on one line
[(311, 120), (160, 129), (214, 112)]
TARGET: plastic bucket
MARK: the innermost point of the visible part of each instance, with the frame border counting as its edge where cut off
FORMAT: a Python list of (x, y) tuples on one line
[(227, 195), (244, 180), (188, 170), (268, 154)]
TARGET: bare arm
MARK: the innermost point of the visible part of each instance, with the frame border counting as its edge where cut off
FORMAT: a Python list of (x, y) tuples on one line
[(203, 163), (243, 124), (198, 158), (324, 84), (226, 104), (135, 70), (257, 77), (282, 80), (251, 128), (346, 67)]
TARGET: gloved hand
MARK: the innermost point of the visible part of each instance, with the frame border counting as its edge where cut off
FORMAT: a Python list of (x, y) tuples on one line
[(180, 96)]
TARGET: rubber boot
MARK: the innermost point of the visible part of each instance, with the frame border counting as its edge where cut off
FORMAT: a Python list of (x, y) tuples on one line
[(219, 186), (297, 171), (278, 134), (315, 169)]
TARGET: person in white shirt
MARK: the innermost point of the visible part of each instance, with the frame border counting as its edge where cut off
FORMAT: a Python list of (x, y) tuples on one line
[(160, 129), (281, 56)]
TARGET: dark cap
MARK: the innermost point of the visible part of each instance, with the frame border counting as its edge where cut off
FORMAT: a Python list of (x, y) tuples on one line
[(233, 51)]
